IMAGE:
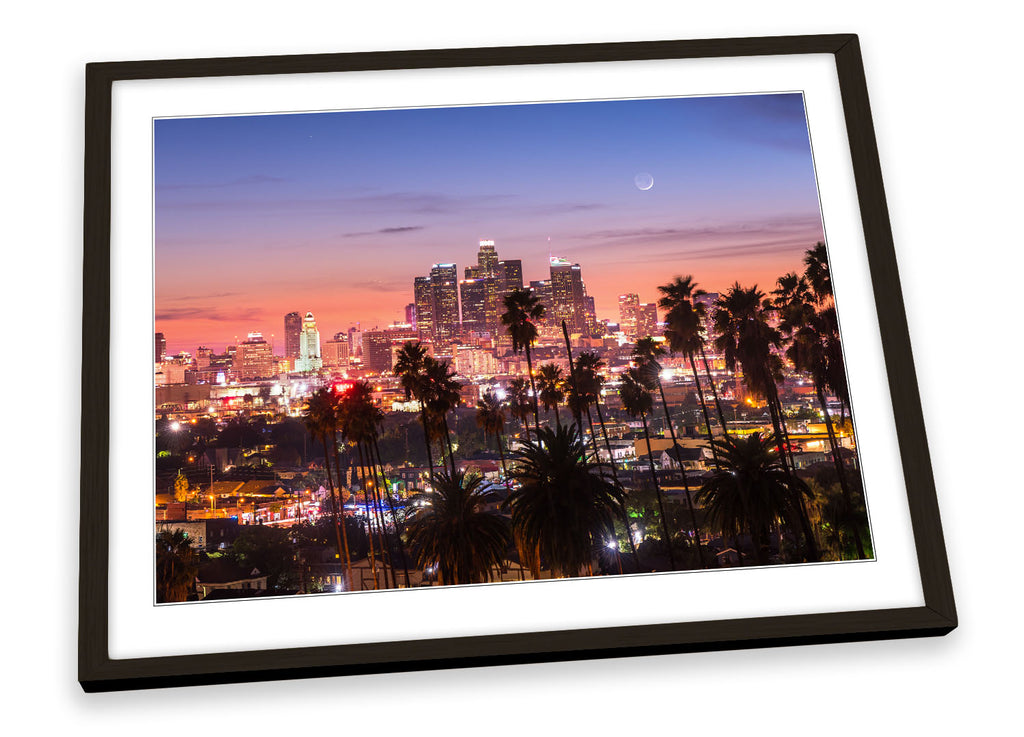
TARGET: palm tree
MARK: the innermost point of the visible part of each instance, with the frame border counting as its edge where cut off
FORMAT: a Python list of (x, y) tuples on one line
[(646, 353), (752, 491), (637, 401), (586, 391), (490, 417), (322, 423), (442, 396), (563, 507), (685, 317), (552, 388), (746, 339), (177, 565), (450, 530), (410, 367), (519, 404), (522, 311), (813, 346)]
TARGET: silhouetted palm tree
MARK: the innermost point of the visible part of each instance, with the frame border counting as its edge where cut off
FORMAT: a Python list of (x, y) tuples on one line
[(551, 385), (410, 367), (451, 530), (522, 311), (646, 353), (563, 507), (813, 345), (322, 423), (637, 402), (490, 417), (752, 491), (177, 565), (442, 396), (519, 404)]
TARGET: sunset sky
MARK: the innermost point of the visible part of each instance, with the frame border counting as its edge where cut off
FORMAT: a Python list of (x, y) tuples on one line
[(336, 213)]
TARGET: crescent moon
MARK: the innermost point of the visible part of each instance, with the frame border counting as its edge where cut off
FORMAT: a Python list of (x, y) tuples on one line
[(643, 181)]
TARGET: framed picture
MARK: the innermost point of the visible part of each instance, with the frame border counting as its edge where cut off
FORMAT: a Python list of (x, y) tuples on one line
[(488, 356)]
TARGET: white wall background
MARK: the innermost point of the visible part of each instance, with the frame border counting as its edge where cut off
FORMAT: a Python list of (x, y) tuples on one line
[(943, 90)]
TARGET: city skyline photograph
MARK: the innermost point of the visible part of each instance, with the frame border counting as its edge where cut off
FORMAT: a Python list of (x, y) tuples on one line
[(504, 343)]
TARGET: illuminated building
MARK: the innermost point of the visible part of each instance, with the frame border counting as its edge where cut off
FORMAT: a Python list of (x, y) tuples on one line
[(487, 259), (292, 331), (161, 347), (335, 352), (445, 286), (707, 301), (510, 275), (647, 320), (543, 292), (423, 296), (474, 304), (567, 295), (378, 353), (309, 346), (254, 358), (629, 307), (410, 313)]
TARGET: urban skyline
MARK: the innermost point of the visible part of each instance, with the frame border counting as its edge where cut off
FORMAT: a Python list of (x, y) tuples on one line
[(252, 210)]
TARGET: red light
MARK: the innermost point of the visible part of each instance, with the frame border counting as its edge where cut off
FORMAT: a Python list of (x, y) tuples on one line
[(343, 387)]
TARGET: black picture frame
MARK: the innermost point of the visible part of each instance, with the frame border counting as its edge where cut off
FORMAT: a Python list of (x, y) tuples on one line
[(99, 672)]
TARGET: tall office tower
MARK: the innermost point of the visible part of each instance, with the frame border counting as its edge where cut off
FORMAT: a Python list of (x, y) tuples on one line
[(355, 341), (335, 352), (590, 315), (423, 296), (410, 313), (445, 284), (161, 347), (487, 259), (254, 358), (292, 329), (567, 294), (379, 345), (309, 346), (629, 307), (473, 272), (647, 321), (510, 275), (474, 304), (543, 292), (707, 301)]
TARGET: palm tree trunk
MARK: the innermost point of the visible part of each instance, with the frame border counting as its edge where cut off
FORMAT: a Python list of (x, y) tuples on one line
[(841, 471), (382, 534), (426, 437), (448, 441), (714, 392), (341, 509), (334, 511), (394, 516), (501, 455), (682, 471), (369, 520), (615, 475), (533, 388), (657, 491), (704, 407)]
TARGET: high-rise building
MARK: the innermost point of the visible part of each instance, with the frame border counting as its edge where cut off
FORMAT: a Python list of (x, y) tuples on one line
[(254, 358), (410, 313), (568, 294), (487, 259), (161, 347), (543, 292), (423, 296), (378, 346), (292, 330), (204, 356), (335, 351), (474, 304), (445, 285), (510, 275), (629, 307), (309, 346), (647, 321), (707, 302)]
